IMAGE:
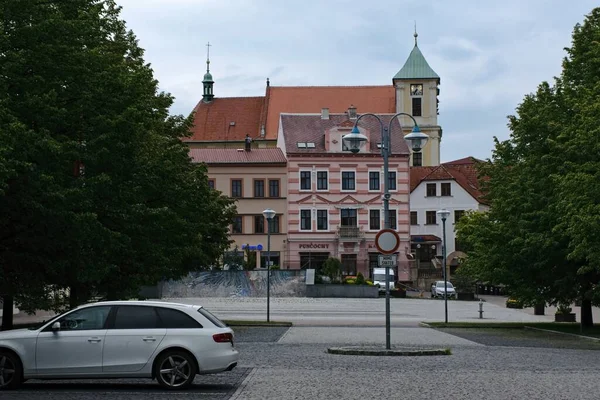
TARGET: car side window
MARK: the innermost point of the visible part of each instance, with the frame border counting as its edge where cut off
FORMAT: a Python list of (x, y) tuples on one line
[(175, 319), (86, 319), (136, 317)]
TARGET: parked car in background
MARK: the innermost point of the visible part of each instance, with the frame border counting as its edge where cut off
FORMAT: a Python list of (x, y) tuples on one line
[(169, 342), (437, 290)]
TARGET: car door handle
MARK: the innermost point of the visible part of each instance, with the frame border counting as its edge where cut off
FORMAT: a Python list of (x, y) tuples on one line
[(149, 339), (94, 340)]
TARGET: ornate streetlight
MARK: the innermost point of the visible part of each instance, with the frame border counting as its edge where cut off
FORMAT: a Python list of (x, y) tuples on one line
[(269, 214), (354, 141)]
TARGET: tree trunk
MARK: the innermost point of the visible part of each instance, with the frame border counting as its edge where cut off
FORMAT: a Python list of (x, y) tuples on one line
[(587, 318), (73, 296), (7, 312)]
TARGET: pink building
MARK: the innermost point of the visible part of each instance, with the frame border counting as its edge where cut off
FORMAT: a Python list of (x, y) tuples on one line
[(335, 206)]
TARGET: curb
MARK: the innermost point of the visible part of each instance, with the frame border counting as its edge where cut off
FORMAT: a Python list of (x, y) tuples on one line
[(366, 351), (563, 333)]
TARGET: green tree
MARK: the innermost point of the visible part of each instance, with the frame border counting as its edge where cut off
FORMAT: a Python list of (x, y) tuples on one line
[(542, 185), (98, 192), (332, 268)]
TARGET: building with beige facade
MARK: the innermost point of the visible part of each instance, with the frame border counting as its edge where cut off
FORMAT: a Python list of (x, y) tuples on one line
[(257, 180)]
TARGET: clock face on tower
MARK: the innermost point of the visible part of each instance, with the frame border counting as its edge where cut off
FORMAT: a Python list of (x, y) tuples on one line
[(416, 90)]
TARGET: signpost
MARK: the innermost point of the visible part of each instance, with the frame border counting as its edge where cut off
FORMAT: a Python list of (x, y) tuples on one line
[(387, 242)]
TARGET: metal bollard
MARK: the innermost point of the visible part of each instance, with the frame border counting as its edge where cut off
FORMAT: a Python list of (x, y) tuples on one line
[(480, 309)]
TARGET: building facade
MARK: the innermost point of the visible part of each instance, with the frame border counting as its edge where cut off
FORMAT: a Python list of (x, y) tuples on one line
[(227, 122), (453, 186), (257, 180), (335, 206)]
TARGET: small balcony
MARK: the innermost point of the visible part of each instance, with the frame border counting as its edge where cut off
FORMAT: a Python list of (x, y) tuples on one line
[(350, 233)]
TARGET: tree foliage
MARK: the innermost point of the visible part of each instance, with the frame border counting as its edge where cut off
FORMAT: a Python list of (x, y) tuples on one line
[(97, 191), (541, 235)]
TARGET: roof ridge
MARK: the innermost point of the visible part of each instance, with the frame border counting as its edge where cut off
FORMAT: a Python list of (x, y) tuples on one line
[(332, 86)]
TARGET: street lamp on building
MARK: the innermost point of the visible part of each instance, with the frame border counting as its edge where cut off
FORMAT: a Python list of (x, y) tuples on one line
[(269, 214), (444, 214), (354, 141)]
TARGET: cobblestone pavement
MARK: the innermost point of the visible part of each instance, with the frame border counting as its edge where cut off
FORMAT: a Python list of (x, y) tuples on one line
[(282, 363)]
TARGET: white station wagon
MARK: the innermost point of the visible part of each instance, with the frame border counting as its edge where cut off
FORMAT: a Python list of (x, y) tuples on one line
[(169, 342)]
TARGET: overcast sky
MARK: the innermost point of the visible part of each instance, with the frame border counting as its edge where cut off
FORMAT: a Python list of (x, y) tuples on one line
[(489, 54)]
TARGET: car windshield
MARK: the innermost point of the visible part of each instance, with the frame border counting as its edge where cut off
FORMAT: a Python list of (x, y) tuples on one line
[(381, 277), (209, 316), (441, 284), (40, 324)]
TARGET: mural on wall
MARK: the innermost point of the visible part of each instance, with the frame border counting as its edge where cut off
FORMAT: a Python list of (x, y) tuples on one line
[(236, 284)]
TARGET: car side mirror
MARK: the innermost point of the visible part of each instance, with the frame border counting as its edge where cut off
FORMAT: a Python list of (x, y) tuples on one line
[(56, 326)]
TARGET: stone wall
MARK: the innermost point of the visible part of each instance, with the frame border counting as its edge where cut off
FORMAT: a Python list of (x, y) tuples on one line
[(283, 283)]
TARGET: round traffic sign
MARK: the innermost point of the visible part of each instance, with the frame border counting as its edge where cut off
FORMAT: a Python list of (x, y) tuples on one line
[(387, 241)]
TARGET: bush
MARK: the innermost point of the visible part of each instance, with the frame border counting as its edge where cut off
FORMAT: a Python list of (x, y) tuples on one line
[(332, 268), (360, 279)]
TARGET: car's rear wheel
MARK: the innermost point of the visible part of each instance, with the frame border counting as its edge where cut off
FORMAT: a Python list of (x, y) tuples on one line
[(11, 370), (175, 370)]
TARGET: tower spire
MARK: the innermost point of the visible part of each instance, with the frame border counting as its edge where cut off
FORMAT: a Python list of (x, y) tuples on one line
[(208, 57), (208, 82), (416, 34)]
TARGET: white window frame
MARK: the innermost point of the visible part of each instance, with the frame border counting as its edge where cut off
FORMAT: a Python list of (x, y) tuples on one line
[(396, 173), (300, 180), (317, 220), (342, 181), (396, 211), (378, 171), (317, 180), (300, 219), (380, 218)]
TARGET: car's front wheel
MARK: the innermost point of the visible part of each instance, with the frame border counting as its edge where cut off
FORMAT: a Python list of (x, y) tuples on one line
[(11, 370), (175, 370)]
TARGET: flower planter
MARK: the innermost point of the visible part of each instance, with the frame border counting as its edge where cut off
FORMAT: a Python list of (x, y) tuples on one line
[(570, 317)]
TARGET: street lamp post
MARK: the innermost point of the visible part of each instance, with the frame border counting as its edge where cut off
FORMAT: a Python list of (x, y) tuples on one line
[(354, 141), (269, 214), (443, 213)]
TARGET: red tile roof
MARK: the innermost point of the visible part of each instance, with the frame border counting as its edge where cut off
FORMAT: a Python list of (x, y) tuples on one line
[(212, 121), (311, 99), (235, 156), (311, 128), (463, 171)]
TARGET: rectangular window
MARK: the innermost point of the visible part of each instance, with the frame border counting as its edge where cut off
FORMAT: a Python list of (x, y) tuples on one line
[(431, 192), (416, 107), (259, 224), (348, 180), (374, 220), (430, 218), (211, 183), (305, 220), (393, 219), (273, 188), (392, 180), (259, 188), (305, 183), (446, 191), (348, 217), (417, 159), (414, 219), (237, 225), (322, 180), (322, 220), (236, 188), (458, 215), (275, 224), (374, 180)]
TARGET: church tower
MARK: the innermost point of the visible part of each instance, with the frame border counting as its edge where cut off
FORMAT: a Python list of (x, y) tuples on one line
[(208, 82), (417, 90)]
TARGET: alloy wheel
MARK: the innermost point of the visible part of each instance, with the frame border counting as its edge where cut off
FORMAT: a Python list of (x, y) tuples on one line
[(7, 371), (175, 371)]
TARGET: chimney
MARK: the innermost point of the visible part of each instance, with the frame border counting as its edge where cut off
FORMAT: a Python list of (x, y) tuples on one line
[(324, 113), (248, 143), (352, 112)]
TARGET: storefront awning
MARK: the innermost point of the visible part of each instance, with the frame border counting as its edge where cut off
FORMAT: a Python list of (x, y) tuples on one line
[(425, 239)]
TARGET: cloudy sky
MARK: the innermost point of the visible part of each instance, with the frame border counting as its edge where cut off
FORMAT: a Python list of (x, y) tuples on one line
[(489, 54)]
